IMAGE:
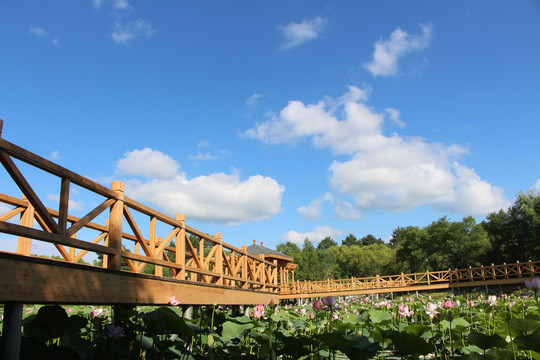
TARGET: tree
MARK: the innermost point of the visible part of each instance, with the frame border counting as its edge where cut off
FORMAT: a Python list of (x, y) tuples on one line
[(515, 234), (309, 266), (365, 261), (326, 243), (370, 240), (290, 249), (350, 240), (410, 253), (441, 245), (330, 268)]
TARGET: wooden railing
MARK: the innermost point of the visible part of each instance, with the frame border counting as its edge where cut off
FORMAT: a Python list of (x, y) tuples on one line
[(426, 280), (202, 258)]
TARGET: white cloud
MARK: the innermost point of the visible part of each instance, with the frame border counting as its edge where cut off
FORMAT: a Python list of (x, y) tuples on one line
[(312, 211), (97, 3), (537, 185), (387, 52), (121, 5), (39, 32), (343, 210), (217, 197), (42, 33), (201, 156), (394, 173), (346, 211), (55, 155), (394, 115), (149, 163), (253, 100), (125, 34), (315, 236), (296, 34)]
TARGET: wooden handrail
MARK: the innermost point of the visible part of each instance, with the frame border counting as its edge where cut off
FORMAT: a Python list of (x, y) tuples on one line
[(222, 264), (493, 272)]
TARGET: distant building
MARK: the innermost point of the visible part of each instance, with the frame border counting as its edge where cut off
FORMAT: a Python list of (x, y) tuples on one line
[(284, 262)]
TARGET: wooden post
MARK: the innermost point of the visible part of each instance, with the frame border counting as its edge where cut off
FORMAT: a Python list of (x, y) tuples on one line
[(262, 272), (219, 259), (11, 329), (275, 274), (181, 246), (106, 243), (244, 267), (63, 206), (158, 269), (116, 218), (27, 219)]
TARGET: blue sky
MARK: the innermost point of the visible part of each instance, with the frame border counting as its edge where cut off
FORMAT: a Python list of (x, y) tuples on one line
[(280, 120)]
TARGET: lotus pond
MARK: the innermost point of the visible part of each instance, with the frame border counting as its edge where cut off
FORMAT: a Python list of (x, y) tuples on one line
[(410, 327)]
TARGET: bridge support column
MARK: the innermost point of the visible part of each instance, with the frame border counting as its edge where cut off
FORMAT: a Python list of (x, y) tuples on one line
[(11, 330)]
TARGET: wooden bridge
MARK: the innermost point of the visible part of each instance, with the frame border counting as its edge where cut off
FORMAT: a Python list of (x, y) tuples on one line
[(173, 259), (197, 269), (504, 274)]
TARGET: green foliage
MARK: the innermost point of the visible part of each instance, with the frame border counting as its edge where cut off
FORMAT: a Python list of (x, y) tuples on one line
[(441, 245), (467, 328), (515, 233)]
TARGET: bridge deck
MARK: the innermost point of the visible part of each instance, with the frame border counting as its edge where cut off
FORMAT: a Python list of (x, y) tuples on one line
[(37, 280)]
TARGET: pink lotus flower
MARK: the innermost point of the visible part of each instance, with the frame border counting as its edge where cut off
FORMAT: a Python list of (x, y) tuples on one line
[(430, 309), (403, 311), (533, 284), (491, 300), (449, 304), (317, 305), (258, 311), (96, 312), (174, 301), (114, 332), (69, 310)]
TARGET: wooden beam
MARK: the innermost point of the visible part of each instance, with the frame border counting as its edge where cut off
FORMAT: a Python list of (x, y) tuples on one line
[(136, 231), (37, 280), (116, 218), (27, 190), (52, 168), (63, 206), (19, 230), (85, 220)]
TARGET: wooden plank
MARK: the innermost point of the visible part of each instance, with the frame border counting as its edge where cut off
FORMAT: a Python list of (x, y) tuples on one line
[(36, 280), (24, 243), (12, 213), (63, 206), (18, 230), (180, 257), (136, 231), (27, 190), (116, 219), (85, 220), (52, 168), (13, 201), (166, 241)]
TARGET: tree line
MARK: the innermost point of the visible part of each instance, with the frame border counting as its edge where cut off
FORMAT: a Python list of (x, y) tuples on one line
[(505, 236)]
